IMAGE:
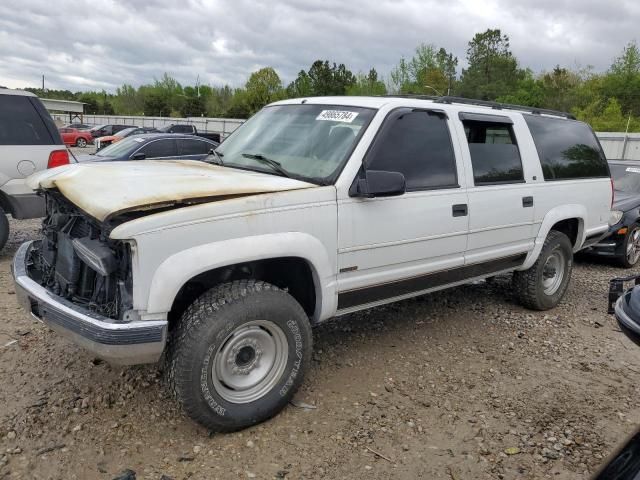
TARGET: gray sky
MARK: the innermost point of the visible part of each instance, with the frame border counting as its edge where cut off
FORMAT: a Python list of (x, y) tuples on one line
[(84, 45)]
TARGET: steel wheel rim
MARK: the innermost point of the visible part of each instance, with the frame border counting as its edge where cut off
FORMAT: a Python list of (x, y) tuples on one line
[(250, 361), (633, 246), (553, 272)]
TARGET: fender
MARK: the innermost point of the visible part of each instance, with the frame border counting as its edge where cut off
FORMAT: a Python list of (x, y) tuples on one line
[(178, 269), (555, 215)]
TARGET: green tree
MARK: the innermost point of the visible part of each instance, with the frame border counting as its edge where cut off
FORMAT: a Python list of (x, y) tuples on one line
[(492, 69), (431, 71), (528, 91), (322, 79), (300, 87), (193, 107), (622, 81), (127, 101), (218, 102), (368, 84), (156, 104), (264, 86)]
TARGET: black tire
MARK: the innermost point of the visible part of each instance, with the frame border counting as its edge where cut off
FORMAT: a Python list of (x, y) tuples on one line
[(206, 341), (4, 228), (630, 259), (529, 285), (81, 142)]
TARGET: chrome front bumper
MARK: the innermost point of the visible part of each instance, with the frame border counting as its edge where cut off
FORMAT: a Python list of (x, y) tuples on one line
[(117, 342)]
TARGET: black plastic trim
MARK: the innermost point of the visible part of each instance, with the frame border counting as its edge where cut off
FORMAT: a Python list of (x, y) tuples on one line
[(485, 118), (367, 295)]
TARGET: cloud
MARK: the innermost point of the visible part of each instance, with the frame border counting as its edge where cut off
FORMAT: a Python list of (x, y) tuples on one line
[(81, 45)]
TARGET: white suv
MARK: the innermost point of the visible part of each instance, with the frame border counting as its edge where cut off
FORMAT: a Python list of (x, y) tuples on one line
[(314, 208), (29, 142)]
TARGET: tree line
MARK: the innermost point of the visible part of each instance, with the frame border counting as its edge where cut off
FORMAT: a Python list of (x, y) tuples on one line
[(609, 101)]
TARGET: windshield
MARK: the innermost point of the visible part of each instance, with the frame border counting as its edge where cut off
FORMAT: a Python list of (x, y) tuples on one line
[(97, 127), (120, 148), (310, 142), (625, 178)]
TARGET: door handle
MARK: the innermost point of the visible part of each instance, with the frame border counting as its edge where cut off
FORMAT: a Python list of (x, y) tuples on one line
[(527, 202), (460, 210)]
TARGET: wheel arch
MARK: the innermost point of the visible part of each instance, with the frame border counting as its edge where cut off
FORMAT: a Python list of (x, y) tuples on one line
[(568, 219), (281, 259)]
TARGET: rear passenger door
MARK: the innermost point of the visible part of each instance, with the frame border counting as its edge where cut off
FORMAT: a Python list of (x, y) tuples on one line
[(501, 203), (394, 247), (193, 149)]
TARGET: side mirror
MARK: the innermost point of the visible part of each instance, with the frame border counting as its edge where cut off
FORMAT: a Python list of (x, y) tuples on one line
[(379, 183), (138, 156)]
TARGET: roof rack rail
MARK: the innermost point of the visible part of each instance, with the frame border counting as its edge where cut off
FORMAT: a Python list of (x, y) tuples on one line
[(504, 106), (412, 95), (486, 103)]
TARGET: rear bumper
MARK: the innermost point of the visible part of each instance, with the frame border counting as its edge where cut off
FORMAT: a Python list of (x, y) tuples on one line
[(117, 342)]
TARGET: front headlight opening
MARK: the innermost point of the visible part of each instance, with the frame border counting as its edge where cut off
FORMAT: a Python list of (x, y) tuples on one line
[(615, 217)]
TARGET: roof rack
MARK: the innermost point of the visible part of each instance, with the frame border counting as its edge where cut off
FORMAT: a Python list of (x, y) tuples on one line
[(485, 103)]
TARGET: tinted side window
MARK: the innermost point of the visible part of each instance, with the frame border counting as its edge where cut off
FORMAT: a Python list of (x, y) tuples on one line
[(182, 129), (567, 148), (417, 144), (20, 123), (194, 147), (494, 153), (160, 148)]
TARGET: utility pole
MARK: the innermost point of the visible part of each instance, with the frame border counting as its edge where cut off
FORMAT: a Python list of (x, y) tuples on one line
[(43, 83)]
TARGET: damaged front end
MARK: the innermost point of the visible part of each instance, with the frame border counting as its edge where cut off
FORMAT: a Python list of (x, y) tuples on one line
[(79, 282), (77, 261)]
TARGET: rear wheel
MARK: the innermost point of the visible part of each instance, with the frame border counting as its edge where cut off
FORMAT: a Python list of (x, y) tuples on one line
[(238, 354), (631, 247), (81, 142), (542, 286)]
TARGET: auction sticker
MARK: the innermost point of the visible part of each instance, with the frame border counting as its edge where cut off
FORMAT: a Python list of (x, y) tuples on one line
[(337, 116)]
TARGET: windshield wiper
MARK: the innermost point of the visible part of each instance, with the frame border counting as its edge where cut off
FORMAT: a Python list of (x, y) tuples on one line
[(277, 166), (217, 155)]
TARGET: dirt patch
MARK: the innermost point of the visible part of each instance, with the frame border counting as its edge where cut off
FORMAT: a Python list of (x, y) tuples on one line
[(459, 384)]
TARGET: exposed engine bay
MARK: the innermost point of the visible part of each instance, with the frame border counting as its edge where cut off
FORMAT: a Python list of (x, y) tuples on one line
[(77, 261)]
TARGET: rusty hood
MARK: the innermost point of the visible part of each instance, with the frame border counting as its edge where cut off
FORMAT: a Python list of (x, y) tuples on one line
[(107, 189)]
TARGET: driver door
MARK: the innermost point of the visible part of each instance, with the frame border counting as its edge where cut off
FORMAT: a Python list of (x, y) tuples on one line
[(394, 247)]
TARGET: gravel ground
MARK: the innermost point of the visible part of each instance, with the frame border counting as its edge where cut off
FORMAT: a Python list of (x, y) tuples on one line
[(454, 385)]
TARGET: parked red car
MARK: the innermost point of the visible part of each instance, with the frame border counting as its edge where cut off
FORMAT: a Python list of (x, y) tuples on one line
[(73, 136)]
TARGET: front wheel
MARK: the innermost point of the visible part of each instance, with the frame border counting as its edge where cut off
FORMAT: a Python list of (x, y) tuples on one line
[(81, 142), (542, 286), (238, 354), (631, 247)]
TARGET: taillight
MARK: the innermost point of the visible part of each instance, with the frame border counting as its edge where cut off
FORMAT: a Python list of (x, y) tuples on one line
[(57, 158), (612, 194)]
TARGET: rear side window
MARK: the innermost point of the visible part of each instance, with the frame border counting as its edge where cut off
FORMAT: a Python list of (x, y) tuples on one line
[(494, 153), (194, 147), (160, 148), (567, 149), (20, 123), (417, 144), (182, 129)]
